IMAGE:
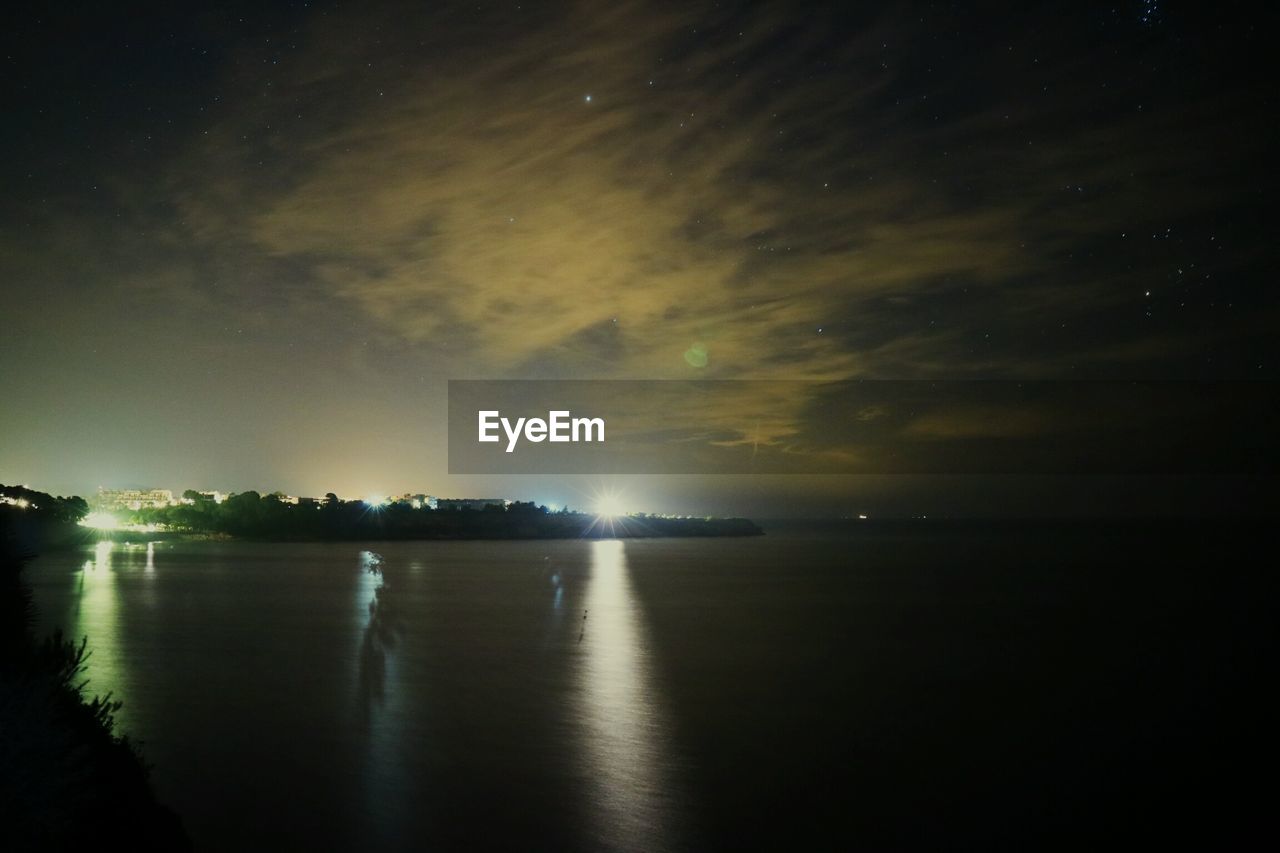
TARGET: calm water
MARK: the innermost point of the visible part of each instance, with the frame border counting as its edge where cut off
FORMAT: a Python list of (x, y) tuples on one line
[(852, 689)]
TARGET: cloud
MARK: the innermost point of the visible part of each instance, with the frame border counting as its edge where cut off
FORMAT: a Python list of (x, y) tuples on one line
[(485, 206), (819, 197), (471, 200)]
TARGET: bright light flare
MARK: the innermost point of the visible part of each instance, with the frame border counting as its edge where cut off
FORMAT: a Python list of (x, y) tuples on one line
[(101, 521), (376, 500), (609, 506)]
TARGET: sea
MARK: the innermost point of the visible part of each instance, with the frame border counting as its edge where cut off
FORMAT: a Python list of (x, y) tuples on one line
[(834, 686)]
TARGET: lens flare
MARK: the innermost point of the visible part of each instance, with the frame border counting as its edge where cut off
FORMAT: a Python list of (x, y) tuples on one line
[(609, 506), (101, 521)]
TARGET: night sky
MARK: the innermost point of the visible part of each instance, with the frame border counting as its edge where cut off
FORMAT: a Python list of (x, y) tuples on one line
[(245, 247)]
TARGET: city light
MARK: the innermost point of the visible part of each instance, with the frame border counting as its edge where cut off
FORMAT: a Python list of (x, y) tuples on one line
[(376, 500), (609, 506), (101, 521)]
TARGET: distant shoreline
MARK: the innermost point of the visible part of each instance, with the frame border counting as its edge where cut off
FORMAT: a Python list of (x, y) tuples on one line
[(44, 522), (718, 528), (64, 537)]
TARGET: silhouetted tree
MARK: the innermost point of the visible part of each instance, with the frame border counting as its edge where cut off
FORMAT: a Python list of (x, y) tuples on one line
[(68, 781)]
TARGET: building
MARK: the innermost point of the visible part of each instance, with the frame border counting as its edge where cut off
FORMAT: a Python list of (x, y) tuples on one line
[(135, 499), (419, 501), (214, 496)]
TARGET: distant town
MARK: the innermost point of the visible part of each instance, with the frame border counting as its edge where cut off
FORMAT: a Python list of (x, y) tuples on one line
[(109, 500), (276, 515)]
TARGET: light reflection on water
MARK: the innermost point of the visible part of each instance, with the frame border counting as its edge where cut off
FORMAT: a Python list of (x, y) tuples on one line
[(380, 715), (626, 732), (465, 695), (97, 616)]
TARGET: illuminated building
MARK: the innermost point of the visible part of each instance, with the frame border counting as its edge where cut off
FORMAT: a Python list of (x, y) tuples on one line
[(109, 499)]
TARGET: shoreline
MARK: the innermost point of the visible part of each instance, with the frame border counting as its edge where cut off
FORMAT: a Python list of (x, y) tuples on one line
[(62, 537)]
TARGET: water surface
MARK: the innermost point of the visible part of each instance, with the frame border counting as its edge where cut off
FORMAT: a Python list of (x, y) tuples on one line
[(848, 689)]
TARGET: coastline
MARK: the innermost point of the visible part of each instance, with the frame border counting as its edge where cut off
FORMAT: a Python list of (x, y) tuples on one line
[(63, 537)]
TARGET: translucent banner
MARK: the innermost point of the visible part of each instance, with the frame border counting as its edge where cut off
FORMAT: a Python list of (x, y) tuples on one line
[(861, 427)]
